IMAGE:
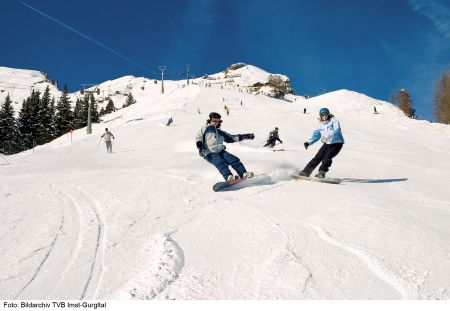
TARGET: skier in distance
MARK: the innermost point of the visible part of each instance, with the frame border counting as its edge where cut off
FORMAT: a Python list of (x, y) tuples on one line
[(272, 139), (107, 134)]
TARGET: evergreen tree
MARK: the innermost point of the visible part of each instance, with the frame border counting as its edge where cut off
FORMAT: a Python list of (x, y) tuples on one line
[(28, 120), (95, 117), (23, 123), (9, 133), (442, 99), (52, 125), (45, 119), (64, 114), (79, 115), (403, 101), (110, 107), (102, 112), (129, 101), (35, 100)]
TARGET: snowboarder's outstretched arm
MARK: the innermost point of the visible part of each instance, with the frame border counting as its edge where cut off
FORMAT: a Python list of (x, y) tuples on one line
[(228, 138), (315, 137)]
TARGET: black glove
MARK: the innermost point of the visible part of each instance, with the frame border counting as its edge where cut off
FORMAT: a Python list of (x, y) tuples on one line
[(199, 145), (306, 145), (281, 141), (246, 136)]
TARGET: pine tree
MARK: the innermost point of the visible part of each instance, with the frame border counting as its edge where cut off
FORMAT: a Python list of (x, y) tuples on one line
[(9, 133), (35, 100), (52, 125), (403, 101), (79, 115), (28, 120), (23, 123), (44, 130), (442, 99), (95, 118), (110, 107), (64, 114), (129, 101)]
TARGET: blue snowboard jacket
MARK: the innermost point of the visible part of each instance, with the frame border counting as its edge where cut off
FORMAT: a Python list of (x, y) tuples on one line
[(329, 132), (213, 139)]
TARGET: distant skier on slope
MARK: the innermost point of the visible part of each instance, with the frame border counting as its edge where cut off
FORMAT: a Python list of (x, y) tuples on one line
[(169, 122), (272, 139), (209, 142), (330, 133), (108, 136)]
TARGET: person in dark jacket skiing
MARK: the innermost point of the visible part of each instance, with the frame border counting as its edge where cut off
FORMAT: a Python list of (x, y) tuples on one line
[(330, 133), (209, 142), (272, 139)]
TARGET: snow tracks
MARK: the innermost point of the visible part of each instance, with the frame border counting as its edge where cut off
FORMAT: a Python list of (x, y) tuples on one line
[(65, 258)]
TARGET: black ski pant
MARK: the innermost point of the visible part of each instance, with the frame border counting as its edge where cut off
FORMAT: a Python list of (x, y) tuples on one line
[(271, 142), (325, 155)]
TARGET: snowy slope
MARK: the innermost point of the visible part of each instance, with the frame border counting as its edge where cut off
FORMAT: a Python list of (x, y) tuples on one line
[(143, 222), (19, 83), (250, 79)]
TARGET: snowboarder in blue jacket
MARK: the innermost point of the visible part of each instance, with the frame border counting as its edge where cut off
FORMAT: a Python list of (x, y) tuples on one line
[(330, 133), (209, 142)]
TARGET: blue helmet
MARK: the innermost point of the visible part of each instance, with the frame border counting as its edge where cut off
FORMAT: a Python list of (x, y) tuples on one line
[(324, 111)]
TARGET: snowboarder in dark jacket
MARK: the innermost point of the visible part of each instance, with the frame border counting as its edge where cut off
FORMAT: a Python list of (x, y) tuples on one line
[(330, 133), (209, 142), (272, 139)]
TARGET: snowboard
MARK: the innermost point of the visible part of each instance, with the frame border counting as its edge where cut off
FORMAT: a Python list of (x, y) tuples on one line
[(224, 186), (328, 180)]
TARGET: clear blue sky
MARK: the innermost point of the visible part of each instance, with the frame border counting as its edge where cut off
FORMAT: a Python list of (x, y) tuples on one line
[(373, 47)]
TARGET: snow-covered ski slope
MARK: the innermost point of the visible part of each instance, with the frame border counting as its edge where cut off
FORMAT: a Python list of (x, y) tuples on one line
[(144, 223)]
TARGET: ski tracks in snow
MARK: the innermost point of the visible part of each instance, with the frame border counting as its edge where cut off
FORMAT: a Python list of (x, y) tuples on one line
[(69, 262), (373, 264), (284, 275), (87, 257), (37, 271), (163, 260)]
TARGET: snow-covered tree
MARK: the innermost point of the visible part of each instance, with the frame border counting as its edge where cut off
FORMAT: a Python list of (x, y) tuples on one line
[(79, 114), (64, 114), (9, 132), (28, 119), (110, 106), (129, 101), (45, 130), (95, 117)]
